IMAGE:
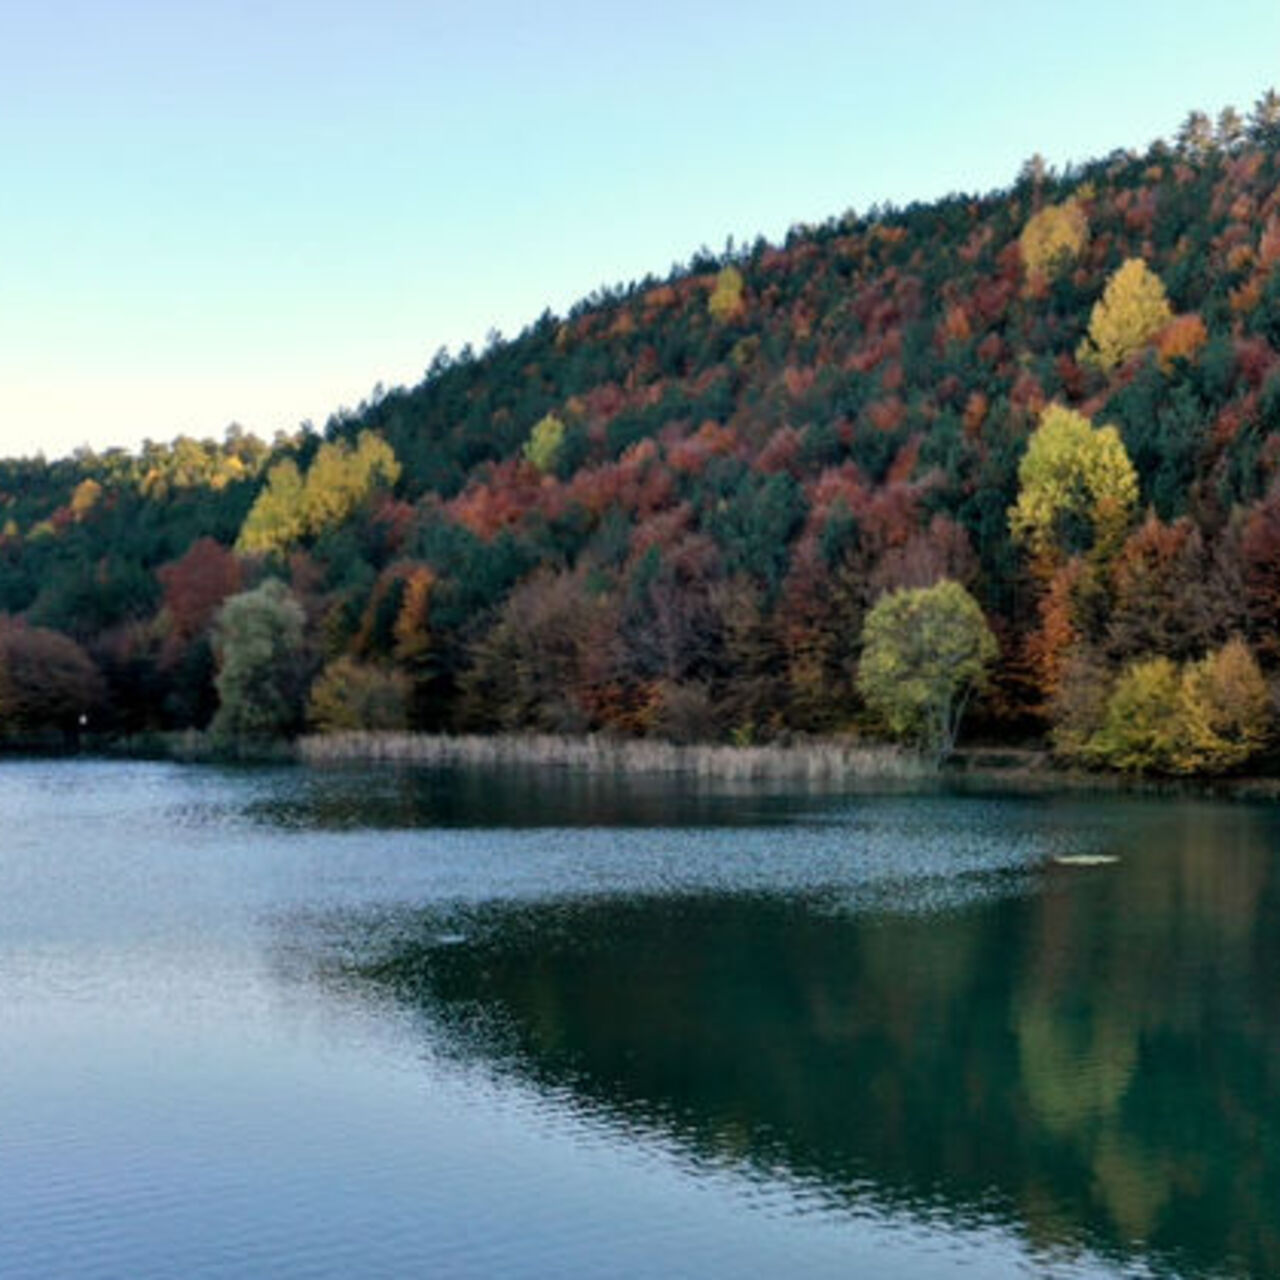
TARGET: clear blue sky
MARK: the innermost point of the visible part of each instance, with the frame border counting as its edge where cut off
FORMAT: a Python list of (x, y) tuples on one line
[(253, 210)]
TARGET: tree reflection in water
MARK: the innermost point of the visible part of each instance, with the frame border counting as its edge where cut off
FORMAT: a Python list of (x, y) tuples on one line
[(1094, 1059)]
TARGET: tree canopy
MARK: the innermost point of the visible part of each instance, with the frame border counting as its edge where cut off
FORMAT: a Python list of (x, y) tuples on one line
[(926, 652)]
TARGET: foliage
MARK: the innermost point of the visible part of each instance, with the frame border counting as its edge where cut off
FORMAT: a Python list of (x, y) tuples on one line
[(545, 442), (1133, 309), (258, 643), (349, 695), (339, 479), (1054, 238), (1076, 487), (278, 518), (1224, 711), (725, 302), (1140, 727), (926, 651), (1210, 716), (47, 681), (753, 449)]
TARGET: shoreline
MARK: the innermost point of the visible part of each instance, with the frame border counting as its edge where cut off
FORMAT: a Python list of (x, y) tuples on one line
[(820, 762)]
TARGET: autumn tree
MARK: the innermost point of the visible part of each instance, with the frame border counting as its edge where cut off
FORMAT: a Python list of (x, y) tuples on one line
[(1209, 716), (926, 651), (356, 696), (1053, 239), (1224, 711), (341, 477), (290, 507), (1133, 309), (725, 302), (47, 681), (277, 518), (258, 643), (1076, 488), (195, 585), (545, 442)]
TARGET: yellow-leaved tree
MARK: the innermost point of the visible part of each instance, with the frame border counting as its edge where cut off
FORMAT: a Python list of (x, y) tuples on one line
[(1224, 710), (290, 508), (1077, 489), (1053, 239), (543, 446), (1133, 309), (277, 518), (725, 302), (1206, 717)]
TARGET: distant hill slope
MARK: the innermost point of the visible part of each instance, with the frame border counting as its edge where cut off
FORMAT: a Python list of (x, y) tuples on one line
[(669, 511)]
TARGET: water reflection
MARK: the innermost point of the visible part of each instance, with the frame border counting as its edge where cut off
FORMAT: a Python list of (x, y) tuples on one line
[(1093, 1060)]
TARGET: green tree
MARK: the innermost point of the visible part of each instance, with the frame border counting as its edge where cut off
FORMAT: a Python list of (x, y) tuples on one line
[(1076, 488), (926, 651), (258, 644), (1131, 312)]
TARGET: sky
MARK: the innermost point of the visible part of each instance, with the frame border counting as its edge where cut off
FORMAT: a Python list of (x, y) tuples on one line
[(251, 211)]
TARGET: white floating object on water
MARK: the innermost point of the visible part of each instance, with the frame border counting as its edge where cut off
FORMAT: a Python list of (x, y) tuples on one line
[(1086, 859)]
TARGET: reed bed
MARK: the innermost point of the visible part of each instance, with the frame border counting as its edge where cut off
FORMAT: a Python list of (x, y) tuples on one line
[(821, 761)]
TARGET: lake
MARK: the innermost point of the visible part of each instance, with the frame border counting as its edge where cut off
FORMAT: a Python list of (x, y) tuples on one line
[(296, 1022)]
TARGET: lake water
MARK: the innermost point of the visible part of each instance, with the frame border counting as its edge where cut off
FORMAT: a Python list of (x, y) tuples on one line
[(371, 1023)]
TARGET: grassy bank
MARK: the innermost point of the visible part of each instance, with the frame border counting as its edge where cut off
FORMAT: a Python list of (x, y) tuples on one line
[(825, 761)]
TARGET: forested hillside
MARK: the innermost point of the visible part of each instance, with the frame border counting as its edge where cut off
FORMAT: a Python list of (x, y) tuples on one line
[(670, 511)]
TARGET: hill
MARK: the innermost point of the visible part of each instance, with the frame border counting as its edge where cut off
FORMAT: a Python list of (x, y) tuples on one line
[(670, 511)]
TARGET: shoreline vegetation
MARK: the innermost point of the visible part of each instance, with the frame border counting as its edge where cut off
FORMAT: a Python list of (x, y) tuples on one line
[(825, 760), (819, 763)]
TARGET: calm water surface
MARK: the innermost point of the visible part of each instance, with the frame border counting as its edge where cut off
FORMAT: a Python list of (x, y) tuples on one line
[(303, 1023)]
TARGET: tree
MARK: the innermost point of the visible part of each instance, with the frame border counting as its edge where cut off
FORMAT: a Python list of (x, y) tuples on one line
[(47, 681), (1053, 239), (1206, 717), (277, 518), (1264, 120), (1224, 711), (291, 508), (926, 651), (544, 443), (195, 585), (1230, 129), (1140, 728), (340, 478), (1195, 136), (258, 643), (350, 695), (725, 302), (1076, 488), (1133, 309)]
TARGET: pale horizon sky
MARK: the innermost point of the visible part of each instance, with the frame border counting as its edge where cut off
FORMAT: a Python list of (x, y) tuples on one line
[(253, 211)]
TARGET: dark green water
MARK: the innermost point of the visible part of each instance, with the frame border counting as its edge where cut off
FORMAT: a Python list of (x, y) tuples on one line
[(306, 1023)]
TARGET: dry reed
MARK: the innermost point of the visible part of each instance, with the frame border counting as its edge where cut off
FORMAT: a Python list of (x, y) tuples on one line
[(825, 761)]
